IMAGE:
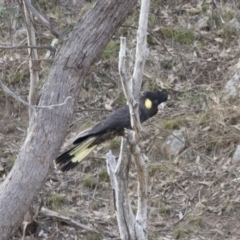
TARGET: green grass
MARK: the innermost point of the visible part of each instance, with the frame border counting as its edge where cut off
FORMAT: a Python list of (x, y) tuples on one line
[(111, 50), (173, 123), (165, 209), (93, 236), (95, 205), (196, 221), (231, 207), (153, 169), (167, 64), (56, 199), (103, 175), (11, 161), (205, 6), (182, 36), (182, 232), (9, 128), (120, 100), (115, 144), (89, 182), (212, 143)]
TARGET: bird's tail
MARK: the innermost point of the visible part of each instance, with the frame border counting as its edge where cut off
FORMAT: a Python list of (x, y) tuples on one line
[(72, 157)]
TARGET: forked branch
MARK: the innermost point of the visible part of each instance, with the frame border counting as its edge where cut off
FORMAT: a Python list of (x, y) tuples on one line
[(132, 227)]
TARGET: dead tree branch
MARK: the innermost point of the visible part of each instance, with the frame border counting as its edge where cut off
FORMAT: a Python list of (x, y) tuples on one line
[(19, 99), (141, 50), (118, 173), (43, 20), (52, 214), (50, 48), (131, 227), (34, 74)]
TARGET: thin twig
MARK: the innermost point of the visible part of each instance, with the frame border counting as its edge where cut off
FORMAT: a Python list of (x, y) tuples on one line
[(12, 94), (33, 54), (141, 49), (214, 3), (43, 20), (55, 215), (25, 224), (50, 48), (95, 190)]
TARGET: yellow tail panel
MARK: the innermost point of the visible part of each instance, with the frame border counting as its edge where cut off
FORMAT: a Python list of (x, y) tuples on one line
[(81, 151)]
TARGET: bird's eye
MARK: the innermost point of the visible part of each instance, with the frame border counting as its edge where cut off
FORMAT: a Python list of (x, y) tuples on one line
[(148, 103)]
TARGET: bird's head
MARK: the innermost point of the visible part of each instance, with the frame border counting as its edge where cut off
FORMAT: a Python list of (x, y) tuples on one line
[(151, 100)]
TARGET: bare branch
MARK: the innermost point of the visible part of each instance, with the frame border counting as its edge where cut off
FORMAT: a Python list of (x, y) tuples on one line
[(118, 174), (34, 74), (33, 107), (68, 220), (50, 48), (43, 20), (121, 64), (141, 50), (141, 55), (131, 228), (140, 161), (127, 87)]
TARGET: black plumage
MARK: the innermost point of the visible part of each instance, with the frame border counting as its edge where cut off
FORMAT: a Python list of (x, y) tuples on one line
[(111, 126)]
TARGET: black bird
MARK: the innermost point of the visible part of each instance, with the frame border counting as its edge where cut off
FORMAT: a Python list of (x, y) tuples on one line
[(111, 126)]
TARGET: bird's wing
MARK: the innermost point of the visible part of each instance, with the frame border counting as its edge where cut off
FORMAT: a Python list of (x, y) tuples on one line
[(84, 134), (117, 121)]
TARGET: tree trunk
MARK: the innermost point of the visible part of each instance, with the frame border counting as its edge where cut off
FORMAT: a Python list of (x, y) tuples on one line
[(48, 127)]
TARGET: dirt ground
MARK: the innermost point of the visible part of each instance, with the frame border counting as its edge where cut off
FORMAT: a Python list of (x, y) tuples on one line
[(194, 51)]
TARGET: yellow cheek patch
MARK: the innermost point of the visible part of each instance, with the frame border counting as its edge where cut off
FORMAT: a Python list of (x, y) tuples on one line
[(148, 103)]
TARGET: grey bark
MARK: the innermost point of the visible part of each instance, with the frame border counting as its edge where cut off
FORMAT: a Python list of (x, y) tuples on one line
[(48, 127), (34, 75), (131, 227)]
